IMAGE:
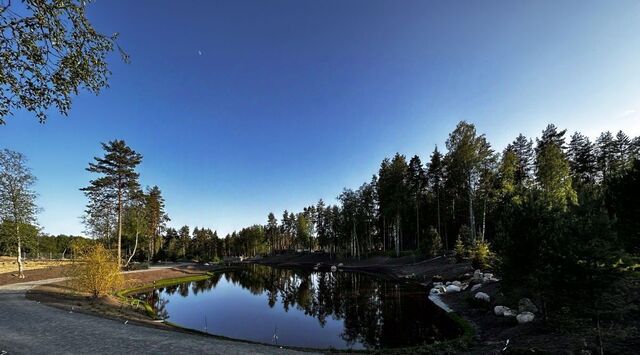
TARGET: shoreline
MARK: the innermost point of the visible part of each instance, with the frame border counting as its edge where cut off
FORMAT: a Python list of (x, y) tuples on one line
[(483, 332)]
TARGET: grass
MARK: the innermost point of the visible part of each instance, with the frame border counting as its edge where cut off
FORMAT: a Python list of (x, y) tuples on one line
[(124, 294), (9, 264)]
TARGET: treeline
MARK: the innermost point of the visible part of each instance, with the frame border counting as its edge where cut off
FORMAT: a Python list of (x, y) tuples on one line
[(37, 244), (557, 217), (462, 197), (460, 194)]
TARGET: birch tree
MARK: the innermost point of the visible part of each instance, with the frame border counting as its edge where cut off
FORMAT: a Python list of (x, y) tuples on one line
[(17, 198)]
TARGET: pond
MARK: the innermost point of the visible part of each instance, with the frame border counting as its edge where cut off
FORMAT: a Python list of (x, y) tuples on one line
[(304, 308)]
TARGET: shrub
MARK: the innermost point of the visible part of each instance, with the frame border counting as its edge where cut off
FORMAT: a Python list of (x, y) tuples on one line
[(460, 250), (97, 271), (433, 243), (481, 255)]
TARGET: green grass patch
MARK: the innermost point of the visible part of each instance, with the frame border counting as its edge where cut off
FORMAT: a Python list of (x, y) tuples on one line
[(124, 294)]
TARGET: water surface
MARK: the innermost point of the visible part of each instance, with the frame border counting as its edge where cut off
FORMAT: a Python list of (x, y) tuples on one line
[(303, 308)]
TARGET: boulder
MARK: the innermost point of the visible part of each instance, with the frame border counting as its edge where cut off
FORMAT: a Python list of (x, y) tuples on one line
[(508, 312), (334, 268), (526, 305), (503, 311), (457, 283), (448, 283), (340, 265), (482, 296), (477, 276), (525, 317), (499, 310), (452, 289), (475, 287)]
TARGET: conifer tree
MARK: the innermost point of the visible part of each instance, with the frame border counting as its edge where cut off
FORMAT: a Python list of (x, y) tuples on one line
[(118, 181)]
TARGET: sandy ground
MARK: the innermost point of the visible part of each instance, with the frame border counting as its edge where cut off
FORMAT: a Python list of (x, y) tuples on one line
[(62, 295), (9, 264)]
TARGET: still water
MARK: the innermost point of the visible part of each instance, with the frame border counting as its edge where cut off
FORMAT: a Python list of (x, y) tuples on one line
[(304, 308)]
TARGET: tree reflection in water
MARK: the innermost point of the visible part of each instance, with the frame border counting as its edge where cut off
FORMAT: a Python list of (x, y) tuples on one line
[(375, 312)]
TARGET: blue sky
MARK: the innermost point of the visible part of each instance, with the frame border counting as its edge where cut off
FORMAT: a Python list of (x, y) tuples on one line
[(246, 107)]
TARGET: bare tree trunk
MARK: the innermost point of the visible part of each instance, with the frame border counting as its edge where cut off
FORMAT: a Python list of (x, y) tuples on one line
[(119, 228), (384, 233), (484, 218), (135, 247), (418, 222), (20, 263), (472, 221), (397, 234)]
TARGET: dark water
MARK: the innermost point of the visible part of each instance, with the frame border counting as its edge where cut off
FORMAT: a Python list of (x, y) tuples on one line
[(306, 309)]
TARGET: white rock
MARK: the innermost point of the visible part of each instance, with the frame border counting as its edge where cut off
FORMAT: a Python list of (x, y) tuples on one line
[(477, 275), (334, 268), (503, 311), (475, 287), (482, 296), (457, 283), (340, 265), (499, 310), (508, 312), (452, 288), (448, 283), (525, 317), (436, 284)]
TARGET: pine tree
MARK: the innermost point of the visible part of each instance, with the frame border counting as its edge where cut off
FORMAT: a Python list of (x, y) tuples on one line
[(606, 155), (118, 182), (417, 184), (523, 150), (468, 155), (156, 218), (436, 178), (553, 176), (582, 160)]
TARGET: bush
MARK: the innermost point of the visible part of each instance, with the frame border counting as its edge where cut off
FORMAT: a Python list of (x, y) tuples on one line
[(137, 266), (433, 245), (97, 272), (481, 255), (460, 250)]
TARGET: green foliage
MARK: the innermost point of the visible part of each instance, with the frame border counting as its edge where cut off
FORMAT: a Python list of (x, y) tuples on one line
[(554, 177), (432, 245), (49, 52), (460, 249), (481, 255)]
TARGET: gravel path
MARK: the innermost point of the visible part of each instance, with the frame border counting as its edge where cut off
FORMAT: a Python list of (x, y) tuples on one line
[(28, 327)]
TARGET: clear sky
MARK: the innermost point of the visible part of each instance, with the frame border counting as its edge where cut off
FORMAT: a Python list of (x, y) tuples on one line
[(246, 107)]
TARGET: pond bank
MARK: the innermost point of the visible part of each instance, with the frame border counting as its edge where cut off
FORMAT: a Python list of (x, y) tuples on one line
[(491, 332)]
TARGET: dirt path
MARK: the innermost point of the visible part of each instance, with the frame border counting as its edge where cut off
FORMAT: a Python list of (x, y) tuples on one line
[(29, 327)]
